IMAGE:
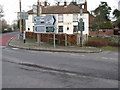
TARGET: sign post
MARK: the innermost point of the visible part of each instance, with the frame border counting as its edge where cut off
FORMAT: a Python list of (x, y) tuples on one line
[(81, 26), (45, 24)]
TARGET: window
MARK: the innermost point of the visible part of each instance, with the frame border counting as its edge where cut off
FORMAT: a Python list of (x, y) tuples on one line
[(75, 17), (75, 28), (60, 29), (60, 18)]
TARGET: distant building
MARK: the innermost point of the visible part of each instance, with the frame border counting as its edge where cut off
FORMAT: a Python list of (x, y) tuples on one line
[(119, 5), (67, 17)]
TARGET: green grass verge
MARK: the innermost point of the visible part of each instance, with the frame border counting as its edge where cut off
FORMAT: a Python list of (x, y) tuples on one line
[(109, 48)]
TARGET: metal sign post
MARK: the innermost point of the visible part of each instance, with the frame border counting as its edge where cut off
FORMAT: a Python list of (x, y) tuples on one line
[(54, 40), (81, 36)]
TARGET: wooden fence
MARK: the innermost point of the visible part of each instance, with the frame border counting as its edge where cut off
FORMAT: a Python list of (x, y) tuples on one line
[(61, 39)]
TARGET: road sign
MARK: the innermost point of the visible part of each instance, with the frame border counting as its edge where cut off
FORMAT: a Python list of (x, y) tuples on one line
[(39, 20), (50, 29), (39, 29), (81, 26), (23, 15), (44, 24), (50, 20)]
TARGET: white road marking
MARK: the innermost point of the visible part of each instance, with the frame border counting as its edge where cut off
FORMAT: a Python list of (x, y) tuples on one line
[(83, 55), (104, 58), (15, 48)]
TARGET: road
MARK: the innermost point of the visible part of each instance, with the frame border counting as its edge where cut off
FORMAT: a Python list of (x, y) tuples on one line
[(35, 69)]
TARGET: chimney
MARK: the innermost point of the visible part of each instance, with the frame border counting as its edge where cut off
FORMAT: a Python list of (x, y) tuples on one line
[(45, 3), (40, 4), (85, 5), (65, 3)]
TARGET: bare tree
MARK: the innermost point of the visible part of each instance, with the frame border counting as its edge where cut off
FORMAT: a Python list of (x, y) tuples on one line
[(1, 11)]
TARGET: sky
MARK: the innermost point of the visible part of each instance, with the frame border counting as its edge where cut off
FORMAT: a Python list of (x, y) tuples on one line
[(11, 7)]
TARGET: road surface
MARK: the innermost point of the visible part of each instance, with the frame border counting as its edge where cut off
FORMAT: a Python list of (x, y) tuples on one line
[(27, 69)]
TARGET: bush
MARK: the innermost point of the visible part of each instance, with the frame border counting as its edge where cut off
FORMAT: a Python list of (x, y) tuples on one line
[(113, 44), (100, 42), (96, 43)]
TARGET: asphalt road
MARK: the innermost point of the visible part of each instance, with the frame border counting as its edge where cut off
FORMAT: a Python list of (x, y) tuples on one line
[(35, 69), (91, 70)]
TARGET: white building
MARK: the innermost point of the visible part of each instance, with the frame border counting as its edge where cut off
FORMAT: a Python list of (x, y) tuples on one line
[(67, 17)]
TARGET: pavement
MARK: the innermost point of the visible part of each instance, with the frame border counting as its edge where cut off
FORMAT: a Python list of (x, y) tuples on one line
[(33, 45), (5, 38)]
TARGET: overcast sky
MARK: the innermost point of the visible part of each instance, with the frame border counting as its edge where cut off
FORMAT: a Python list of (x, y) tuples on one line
[(12, 6)]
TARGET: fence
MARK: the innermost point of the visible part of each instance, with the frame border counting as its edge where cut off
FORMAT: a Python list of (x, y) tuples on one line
[(61, 39), (103, 32)]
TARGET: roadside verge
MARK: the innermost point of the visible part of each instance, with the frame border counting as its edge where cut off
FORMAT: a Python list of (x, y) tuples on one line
[(32, 45)]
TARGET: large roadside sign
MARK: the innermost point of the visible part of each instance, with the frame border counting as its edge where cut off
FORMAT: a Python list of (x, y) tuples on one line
[(44, 24)]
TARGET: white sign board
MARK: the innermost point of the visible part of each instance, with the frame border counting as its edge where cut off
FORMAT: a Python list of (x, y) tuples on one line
[(44, 24), (23, 15), (50, 20), (39, 28), (39, 20)]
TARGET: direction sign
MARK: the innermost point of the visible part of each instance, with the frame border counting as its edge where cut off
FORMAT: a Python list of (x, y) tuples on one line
[(39, 29), (39, 20), (44, 24), (50, 20), (50, 29)]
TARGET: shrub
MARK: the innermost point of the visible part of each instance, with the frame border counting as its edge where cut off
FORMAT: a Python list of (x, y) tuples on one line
[(97, 43), (100, 42), (113, 44)]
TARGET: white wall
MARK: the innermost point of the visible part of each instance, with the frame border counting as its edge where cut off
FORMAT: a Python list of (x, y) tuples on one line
[(67, 22), (29, 23)]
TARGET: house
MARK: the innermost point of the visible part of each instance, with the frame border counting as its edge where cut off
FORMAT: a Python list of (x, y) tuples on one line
[(67, 17)]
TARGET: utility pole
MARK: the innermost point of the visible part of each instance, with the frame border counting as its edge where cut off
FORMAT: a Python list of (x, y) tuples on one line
[(81, 36), (20, 18), (38, 8), (38, 14)]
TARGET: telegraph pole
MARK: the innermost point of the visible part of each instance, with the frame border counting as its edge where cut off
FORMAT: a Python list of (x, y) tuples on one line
[(81, 36), (38, 8), (20, 18), (38, 14)]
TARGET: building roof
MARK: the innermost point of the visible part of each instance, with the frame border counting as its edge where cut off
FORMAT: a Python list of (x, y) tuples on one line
[(70, 9)]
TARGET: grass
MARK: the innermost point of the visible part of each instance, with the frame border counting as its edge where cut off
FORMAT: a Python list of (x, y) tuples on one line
[(109, 48)]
